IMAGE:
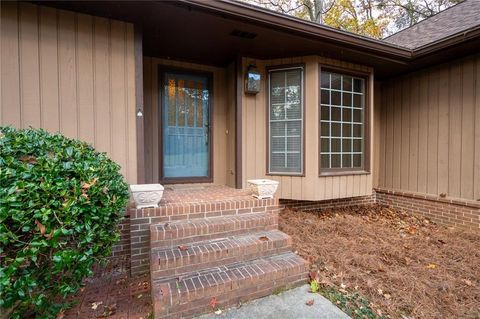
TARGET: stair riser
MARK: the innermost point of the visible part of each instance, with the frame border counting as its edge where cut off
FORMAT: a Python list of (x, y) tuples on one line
[(165, 268), (188, 233), (197, 238), (240, 297), (191, 295), (201, 306)]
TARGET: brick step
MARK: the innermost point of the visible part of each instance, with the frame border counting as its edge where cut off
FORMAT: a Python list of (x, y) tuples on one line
[(194, 230), (190, 295), (171, 261)]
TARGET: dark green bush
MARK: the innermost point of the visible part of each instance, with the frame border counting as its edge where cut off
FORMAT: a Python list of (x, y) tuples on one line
[(60, 205)]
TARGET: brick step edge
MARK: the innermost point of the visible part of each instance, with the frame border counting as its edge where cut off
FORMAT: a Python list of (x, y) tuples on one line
[(190, 295), (242, 297), (194, 230), (172, 261)]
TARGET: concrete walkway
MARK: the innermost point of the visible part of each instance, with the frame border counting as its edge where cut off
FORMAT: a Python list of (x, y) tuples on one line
[(286, 305)]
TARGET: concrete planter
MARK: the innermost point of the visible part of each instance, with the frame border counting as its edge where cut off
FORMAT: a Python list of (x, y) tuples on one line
[(262, 188), (146, 195)]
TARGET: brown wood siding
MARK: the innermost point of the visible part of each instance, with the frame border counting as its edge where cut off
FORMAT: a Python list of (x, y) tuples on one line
[(70, 73), (254, 140), (222, 163), (430, 131)]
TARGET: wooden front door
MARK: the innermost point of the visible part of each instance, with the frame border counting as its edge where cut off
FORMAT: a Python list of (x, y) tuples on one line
[(186, 136)]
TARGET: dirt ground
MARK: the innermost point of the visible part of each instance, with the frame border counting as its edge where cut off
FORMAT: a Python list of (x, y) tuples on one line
[(406, 267)]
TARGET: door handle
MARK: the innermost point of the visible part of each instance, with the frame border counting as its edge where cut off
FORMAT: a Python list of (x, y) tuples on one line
[(207, 133)]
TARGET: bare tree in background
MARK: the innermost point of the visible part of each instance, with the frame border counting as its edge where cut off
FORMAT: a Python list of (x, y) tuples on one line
[(374, 18), (405, 13), (313, 10)]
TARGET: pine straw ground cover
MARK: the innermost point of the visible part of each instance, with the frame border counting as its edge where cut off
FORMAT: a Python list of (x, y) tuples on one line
[(375, 262)]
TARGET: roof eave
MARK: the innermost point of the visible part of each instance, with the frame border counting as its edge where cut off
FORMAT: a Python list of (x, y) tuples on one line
[(447, 42), (314, 30)]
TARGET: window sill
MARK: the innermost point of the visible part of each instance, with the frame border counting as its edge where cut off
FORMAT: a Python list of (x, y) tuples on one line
[(286, 174), (344, 173)]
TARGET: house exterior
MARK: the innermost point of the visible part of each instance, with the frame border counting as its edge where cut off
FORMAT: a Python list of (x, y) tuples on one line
[(335, 117), (94, 72)]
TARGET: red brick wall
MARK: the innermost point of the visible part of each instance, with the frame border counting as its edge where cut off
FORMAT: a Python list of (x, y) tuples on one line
[(444, 211), (122, 248)]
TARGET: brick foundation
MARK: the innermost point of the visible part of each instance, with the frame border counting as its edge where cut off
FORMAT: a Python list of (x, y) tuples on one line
[(444, 211), (331, 203)]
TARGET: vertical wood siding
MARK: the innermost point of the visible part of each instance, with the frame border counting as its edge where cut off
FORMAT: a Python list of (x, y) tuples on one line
[(70, 73), (430, 131), (223, 163), (254, 140)]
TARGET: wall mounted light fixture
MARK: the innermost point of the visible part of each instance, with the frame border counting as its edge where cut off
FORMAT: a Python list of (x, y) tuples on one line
[(252, 80)]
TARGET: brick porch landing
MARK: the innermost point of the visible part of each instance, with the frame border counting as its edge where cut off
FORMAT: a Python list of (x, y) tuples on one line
[(208, 242), (202, 193)]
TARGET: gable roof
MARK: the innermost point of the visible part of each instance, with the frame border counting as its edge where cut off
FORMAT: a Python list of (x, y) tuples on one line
[(459, 18)]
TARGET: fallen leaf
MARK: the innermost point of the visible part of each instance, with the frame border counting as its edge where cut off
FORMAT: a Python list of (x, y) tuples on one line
[(263, 238), (60, 315), (213, 303), (41, 227), (108, 311), (28, 159), (408, 261), (96, 304), (343, 286), (387, 296), (310, 302), (139, 296), (467, 282), (431, 266), (183, 248)]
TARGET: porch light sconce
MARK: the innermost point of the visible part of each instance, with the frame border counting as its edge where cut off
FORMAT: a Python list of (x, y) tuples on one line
[(252, 80)]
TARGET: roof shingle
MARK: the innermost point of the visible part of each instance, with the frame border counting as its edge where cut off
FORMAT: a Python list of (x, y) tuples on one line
[(456, 19)]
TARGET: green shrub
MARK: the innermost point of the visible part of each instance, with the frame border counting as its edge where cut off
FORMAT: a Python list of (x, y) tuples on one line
[(60, 205)]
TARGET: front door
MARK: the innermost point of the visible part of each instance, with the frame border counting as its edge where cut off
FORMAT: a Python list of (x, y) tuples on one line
[(186, 127)]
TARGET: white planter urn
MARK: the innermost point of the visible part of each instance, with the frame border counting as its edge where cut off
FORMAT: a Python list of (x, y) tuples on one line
[(262, 188), (146, 195)]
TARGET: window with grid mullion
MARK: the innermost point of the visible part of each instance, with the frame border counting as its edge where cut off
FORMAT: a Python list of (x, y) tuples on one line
[(341, 121)]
